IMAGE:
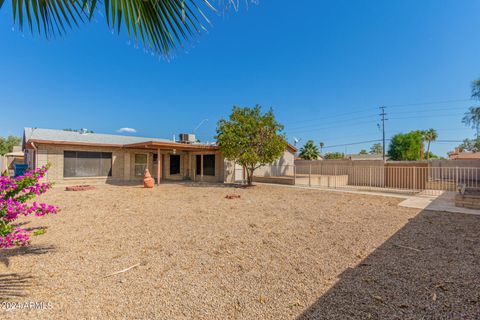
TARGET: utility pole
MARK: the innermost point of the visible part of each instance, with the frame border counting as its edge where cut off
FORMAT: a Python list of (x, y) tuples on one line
[(383, 114)]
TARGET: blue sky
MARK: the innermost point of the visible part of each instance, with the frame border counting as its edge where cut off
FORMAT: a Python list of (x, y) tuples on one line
[(324, 66)]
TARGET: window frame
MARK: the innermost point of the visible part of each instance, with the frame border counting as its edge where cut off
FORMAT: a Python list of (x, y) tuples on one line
[(210, 172), (178, 168), (67, 154), (139, 167)]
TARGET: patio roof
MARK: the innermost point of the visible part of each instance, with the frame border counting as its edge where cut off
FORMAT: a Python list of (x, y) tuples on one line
[(171, 145)]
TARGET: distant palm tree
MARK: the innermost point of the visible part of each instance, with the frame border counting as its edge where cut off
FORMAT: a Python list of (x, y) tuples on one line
[(321, 147), (160, 25), (309, 151), (430, 135), (472, 119)]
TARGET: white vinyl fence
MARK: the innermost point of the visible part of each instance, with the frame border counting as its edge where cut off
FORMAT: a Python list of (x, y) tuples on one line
[(390, 178)]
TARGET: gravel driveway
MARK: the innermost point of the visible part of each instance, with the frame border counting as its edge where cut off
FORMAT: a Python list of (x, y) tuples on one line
[(273, 253)]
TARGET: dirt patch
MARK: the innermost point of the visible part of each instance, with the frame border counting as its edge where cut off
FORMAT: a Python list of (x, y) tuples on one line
[(271, 254), (80, 188)]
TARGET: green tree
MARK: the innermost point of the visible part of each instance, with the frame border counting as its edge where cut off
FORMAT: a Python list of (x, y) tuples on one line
[(363, 151), (7, 144), (321, 147), (376, 149), (250, 138), (309, 151), (472, 119), (334, 156), (472, 145), (406, 146), (430, 135), (472, 116), (160, 25)]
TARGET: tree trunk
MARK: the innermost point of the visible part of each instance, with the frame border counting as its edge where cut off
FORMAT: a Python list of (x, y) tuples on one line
[(428, 151), (250, 176)]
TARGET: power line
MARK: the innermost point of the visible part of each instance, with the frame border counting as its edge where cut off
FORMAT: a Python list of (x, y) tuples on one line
[(346, 122), (427, 103), (380, 140), (390, 106), (352, 143)]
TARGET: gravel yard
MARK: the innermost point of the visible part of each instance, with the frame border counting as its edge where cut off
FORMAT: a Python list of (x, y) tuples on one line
[(273, 253)]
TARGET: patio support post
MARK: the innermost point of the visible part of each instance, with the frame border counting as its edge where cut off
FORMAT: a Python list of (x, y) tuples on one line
[(201, 167), (159, 165)]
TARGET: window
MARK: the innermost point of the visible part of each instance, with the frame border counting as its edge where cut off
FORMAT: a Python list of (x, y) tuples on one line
[(87, 164), (174, 164), (208, 165), (140, 164)]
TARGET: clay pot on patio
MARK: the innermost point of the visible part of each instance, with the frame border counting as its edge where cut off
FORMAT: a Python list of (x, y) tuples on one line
[(148, 181)]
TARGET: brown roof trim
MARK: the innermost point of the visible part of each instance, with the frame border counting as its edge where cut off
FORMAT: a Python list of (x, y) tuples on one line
[(142, 145), (292, 148), (170, 145)]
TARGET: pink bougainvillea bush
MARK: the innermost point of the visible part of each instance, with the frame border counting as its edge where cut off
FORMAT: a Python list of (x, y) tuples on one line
[(15, 200)]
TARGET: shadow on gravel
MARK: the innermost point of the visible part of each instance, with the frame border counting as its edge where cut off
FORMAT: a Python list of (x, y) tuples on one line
[(6, 254), (429, 269), (13, 285)]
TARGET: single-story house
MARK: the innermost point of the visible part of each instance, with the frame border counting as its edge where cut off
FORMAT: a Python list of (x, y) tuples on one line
[(82, 157), (458, 154), (12, 158)]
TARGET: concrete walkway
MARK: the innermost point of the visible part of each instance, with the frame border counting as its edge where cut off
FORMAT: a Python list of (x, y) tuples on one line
[(445, 201)]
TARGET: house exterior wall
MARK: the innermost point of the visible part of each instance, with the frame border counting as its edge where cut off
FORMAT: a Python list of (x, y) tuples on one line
[(53, 154), (123, 164), (281, 167)]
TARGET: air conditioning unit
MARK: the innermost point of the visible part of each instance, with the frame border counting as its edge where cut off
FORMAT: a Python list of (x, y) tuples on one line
[(187, 138)]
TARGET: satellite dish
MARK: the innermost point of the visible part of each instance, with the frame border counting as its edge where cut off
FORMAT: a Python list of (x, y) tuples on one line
[(296, 140)]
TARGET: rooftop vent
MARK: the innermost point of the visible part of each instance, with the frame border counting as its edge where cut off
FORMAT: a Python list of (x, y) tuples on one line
[(187, 138)]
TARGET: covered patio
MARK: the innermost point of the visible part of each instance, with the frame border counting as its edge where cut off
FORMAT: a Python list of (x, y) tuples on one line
[(178, 161)]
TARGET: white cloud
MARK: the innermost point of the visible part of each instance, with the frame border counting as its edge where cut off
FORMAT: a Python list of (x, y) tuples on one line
[(128, 130)]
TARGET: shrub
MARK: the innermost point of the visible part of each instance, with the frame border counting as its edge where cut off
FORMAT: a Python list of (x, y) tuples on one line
[(14, 195)]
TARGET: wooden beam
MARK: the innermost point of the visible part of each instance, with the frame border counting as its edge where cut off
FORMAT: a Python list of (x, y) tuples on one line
[(201, 167), (159, 166)]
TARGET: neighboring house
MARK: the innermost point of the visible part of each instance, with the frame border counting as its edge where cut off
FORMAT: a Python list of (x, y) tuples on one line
[(15, 157), (463, 155), (89, 157), (365, 157)]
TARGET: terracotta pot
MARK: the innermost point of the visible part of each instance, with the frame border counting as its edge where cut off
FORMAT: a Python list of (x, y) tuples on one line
[(148, 181)]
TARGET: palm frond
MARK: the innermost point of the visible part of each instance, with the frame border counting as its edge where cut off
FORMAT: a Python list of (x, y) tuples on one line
[(49, 17), (160, 25)]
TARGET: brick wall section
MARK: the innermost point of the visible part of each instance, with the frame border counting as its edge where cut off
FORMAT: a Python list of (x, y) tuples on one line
[(53, 154)]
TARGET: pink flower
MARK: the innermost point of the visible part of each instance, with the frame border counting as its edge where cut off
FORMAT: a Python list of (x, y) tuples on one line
[(14, 195)]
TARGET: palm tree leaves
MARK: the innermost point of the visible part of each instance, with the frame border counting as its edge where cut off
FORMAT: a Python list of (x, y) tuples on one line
[(49, 17), (160, 25), (309, 151)]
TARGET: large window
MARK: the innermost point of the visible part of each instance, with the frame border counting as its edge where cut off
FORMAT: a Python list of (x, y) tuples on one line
[(87, 164), (174, 164), (140, 164), (208, 165)]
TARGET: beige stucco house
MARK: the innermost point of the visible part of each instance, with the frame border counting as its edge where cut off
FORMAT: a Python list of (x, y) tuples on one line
[(81, 157)]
